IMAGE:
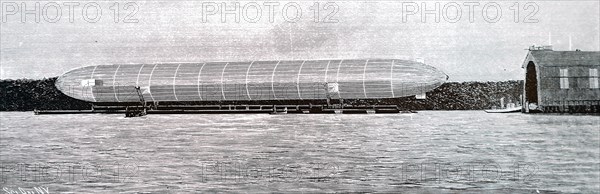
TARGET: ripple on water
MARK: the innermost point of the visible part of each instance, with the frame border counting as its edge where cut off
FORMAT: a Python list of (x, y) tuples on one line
[(505, 153)]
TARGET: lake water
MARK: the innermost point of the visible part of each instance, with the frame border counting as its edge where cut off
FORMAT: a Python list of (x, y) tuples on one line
[(431, 151)]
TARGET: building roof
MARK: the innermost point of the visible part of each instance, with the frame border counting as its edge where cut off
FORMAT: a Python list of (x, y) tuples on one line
[(562, 58)]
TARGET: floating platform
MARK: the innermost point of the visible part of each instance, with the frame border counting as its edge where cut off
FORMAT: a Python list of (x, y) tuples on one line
[(239, 109)]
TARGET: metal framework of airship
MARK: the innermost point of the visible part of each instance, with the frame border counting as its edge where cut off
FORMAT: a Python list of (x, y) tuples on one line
[(252, 80)]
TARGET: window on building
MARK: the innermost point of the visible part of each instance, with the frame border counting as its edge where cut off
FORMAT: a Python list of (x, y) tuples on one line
[(594, 78), (564, 78)]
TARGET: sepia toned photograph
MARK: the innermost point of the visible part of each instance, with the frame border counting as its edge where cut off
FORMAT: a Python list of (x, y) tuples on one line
[(195, 96)]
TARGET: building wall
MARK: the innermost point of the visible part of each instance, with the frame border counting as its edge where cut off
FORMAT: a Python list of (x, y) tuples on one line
[(579, 90)]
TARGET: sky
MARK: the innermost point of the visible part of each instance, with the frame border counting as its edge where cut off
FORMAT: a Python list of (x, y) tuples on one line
[(470, 42)]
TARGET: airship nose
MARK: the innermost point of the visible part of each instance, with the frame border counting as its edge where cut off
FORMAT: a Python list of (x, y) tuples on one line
[(59, 83), (414, 78), (440, 75), (69, 83), (65, 84)]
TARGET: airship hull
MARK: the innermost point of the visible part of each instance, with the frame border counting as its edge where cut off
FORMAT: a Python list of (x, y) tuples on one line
[(254, 80)]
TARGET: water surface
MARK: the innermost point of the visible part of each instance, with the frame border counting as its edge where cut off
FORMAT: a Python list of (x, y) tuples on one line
[(432, 151)]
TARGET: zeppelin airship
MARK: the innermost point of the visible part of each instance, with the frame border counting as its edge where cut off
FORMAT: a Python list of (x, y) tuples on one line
[(252, 80)]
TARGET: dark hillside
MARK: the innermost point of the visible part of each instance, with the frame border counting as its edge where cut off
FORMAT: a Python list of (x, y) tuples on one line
[(28, 94)]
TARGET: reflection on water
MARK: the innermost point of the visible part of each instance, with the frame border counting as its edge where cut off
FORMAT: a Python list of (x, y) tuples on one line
[(424, 152)]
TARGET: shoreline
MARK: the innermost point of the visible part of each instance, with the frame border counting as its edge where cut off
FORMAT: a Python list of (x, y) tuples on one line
[(41, 94)]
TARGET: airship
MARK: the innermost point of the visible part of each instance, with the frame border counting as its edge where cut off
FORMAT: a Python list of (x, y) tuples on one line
[(251, 80)]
